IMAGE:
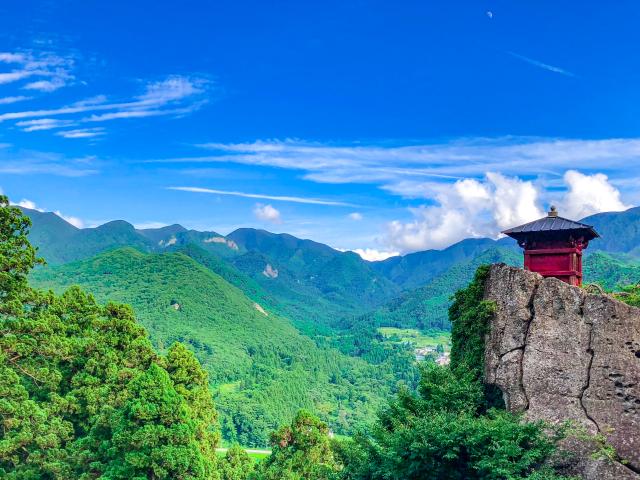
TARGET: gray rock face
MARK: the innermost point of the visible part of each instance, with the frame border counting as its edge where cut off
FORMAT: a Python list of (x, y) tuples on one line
[(559, 354)]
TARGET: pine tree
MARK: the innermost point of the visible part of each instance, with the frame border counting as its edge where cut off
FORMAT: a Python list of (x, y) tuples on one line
[(301, 450), (192, 383), (153, 434), (236, 464)]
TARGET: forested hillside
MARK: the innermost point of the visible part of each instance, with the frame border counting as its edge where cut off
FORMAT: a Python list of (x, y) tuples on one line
[(87, 394), (281, 323), (261, 368)]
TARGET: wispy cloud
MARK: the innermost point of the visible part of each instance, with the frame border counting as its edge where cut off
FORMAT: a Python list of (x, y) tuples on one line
[(311, 201), (52, 71), (544, 66), (14, 99), (173, 96), (411, 171), (43, 124), (28, 162), (81, 133)]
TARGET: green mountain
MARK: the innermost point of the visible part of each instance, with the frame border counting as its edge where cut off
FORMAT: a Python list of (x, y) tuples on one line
[(261, 368), (415, 269), (612, 271), (308, 282), (619, 231), (289, 265), (426, 307), (51, 234)]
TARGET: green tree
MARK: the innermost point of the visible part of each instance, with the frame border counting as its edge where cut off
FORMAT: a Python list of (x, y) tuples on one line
[(153, 435), (192, 383), (236, 464), (17, 257), (301, 450), (82, 393), (438, 434)]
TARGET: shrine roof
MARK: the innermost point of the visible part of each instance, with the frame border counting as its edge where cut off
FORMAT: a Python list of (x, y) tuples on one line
[(552, 223)]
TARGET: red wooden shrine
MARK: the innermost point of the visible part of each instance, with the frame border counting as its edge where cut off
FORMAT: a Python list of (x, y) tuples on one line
[(553, 246)]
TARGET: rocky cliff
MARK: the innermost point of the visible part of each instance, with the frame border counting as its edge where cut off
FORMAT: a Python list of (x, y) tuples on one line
[(558, 353)]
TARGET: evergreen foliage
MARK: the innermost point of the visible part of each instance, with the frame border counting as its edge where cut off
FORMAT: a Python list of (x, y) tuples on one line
[(470, 315), (82, 392), (301, 451), (445, 433), (260, 367), (236, 464)]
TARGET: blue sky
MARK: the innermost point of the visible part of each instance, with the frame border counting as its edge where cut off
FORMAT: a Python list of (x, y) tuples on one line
[(388, 126)]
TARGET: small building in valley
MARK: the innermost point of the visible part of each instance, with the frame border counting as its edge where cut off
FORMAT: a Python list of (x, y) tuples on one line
[(553, 246)]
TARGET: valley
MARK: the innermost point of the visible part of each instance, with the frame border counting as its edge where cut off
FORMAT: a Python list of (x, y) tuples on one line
[(280, 323)]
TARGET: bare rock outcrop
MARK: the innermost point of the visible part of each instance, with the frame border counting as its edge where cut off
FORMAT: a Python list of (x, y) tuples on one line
[(558, 353)]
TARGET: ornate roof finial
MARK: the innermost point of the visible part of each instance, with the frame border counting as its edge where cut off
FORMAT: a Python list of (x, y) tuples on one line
[(553, 212)]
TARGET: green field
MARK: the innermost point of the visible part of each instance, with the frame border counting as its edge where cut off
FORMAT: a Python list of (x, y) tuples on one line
[(417, 338), (255, 454)]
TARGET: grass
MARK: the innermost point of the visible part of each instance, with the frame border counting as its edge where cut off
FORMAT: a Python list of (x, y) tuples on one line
[(417, 338), (255, 454)]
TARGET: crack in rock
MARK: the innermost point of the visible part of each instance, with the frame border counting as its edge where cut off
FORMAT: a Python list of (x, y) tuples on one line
[(587, 382)]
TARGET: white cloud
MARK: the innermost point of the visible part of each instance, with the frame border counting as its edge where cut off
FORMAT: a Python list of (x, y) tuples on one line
[(75, 221), (373, 255), (544, 66), (469, 208), (46, 85), (403, 170), (267, 213), (82, 133), (8, 57), (149, 225), (433, 227), (15, 99), (9, 77), (53, 71), (312, 201), (28, 162), (175, 96), (31, 205), (514, 201), (356, 216), (589, 194), (172, 96), (43, 124)]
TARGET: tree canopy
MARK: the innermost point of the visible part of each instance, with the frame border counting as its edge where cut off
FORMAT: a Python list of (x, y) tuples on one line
[(82, 392)]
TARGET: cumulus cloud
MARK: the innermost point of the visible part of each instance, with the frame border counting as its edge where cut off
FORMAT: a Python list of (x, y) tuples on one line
[(514, 201), (373, 255), (357, 216), (267, 213), (31, 205), (75, 221), (468, 208), (589, 194)]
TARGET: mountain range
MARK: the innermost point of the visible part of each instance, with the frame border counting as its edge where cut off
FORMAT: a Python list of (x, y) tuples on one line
[(282, 323)]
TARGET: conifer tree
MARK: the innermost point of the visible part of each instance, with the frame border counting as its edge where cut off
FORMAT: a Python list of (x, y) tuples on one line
[(236, 464), (301, 450)]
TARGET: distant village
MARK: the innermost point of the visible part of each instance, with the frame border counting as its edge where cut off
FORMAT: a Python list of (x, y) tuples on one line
[(440, 357)]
